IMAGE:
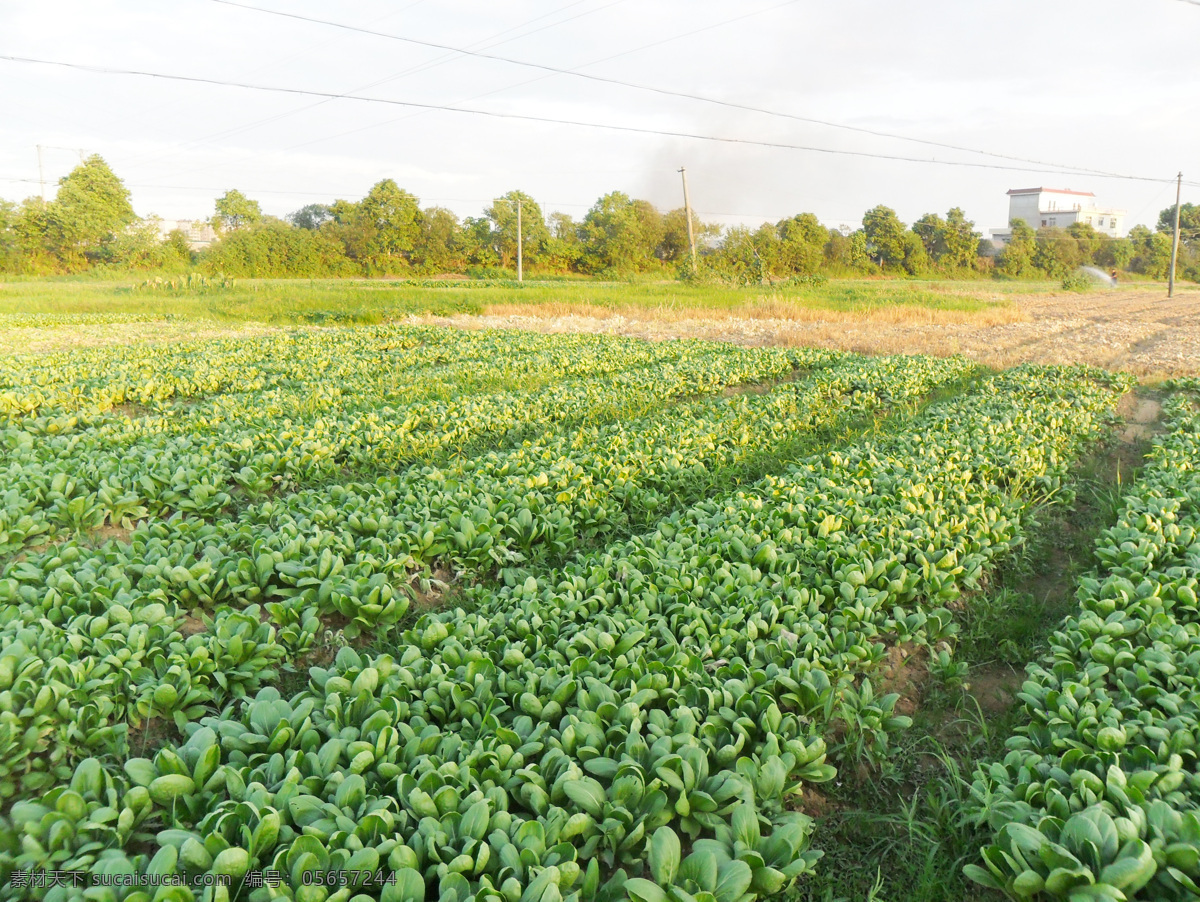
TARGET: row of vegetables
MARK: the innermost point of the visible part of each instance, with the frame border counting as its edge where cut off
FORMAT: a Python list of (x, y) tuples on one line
[(547, 499), (374, 364), (1098, 796), (205, 459), (569, 735), (348, 553)]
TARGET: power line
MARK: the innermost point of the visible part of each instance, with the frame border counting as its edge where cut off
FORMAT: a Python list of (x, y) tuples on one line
[(487, 42), (575, 73), (411, 70), (629, 129), (596, 62)]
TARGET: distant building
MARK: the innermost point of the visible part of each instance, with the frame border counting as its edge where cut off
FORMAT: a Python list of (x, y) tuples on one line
[(1058, 208), (199, 233)]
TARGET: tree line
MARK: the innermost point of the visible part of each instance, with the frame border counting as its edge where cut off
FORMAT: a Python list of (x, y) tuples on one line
[(90, 224)]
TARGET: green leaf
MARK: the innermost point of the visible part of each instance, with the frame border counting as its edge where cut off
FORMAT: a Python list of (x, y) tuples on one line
[(733, 879), (141, 771), (587, 794), (641, 890), (409, 887), (474, 823), (665, 854), (745, 825)]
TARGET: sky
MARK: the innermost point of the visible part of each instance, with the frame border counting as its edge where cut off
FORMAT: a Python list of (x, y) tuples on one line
[(1105, 85)]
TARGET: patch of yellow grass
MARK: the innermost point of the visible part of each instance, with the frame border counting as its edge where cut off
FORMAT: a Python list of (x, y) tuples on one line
[(67, 337), (765, 308)]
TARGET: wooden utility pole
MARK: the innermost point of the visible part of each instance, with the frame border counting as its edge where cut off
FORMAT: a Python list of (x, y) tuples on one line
[(1175, 239), (520, 245), (687, 210), (41, 173)]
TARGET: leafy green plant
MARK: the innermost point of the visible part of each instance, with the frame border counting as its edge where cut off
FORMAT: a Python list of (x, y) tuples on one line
[(1098, 792)]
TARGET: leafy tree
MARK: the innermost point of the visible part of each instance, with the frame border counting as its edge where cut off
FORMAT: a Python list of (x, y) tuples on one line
[(1016, 260), (479, 242), (439, 248), (674, 246), (311, 216), (274, 248), (380, 233), (1151, 252), (563, 249), (32, 228), (931, 229), (1057, 252), (10, 249), (620, 235), (916, 260), (1114, 253), (960, 241), (390, 219), (952, 243), (235, 211), (1087, 240), (767, 248), (1189, 220), (92, 206), (738, 259), (347, 229), (1188, 264), (652, 229), (181, 247), (885, 237), (846, 253), (802, 241), (140, 246), (535, 234)]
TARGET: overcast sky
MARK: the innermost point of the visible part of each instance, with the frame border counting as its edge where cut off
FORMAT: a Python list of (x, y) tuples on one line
[(1110, 85)]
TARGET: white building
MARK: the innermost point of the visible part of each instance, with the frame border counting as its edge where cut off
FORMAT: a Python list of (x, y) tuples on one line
[(1058, 208), (199, 233)]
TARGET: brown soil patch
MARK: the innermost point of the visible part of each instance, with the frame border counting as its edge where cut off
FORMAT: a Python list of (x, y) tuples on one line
[(154, 734), (749, 388), (1131, 328), (812, 802), (995, 687), (439, 589), (190, 626), (1140, 419), (131, 410), (1140, 414), (36, 549), (905, 672), (318, 656), (109, 533)]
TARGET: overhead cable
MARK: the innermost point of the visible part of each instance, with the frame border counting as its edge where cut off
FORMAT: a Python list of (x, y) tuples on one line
[(628, 129)]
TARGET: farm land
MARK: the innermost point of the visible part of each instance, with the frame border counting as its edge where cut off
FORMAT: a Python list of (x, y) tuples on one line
[(442, 592)]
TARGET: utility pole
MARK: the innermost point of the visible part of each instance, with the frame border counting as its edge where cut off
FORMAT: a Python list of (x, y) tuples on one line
[(687, 210), (41, 173), (1175, 240), (520, 244)]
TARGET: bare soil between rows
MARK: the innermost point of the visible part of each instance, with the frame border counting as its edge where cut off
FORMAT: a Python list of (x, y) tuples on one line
[(1138, 330)]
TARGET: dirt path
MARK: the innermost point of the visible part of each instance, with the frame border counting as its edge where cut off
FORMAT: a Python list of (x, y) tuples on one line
[(1135, 329)]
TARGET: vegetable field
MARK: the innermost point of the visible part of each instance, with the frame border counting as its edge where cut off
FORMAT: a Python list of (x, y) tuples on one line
[(410, 613)]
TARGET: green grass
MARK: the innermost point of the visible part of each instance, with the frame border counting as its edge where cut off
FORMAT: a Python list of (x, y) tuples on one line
[(367, 301)]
